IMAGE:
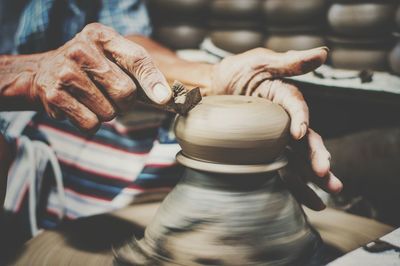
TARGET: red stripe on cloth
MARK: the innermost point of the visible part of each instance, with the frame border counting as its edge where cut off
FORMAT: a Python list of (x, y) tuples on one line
[(94, 172), (105, 145), (91, 197)]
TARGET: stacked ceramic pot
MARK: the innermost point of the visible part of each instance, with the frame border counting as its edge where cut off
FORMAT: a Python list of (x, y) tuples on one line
[(235, 25), (361, 33), (179, 24), (394, 56), (294, 25)]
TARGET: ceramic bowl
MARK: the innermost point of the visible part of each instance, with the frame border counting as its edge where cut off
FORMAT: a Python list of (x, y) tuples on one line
[(362, 19), (233, 130), (394, 59), (238, 9), (187, 11), (234, 24), (289, 12), (237, 41), (285, 42), (359, 59), (180, 36)]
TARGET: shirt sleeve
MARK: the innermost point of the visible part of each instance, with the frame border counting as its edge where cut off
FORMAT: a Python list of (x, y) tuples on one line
[(128, 17)]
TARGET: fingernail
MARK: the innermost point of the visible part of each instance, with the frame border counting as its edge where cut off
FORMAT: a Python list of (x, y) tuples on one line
[(161, 92), (303, 130)]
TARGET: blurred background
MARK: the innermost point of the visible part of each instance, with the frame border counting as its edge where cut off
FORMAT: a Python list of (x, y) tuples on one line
[(354, 99)]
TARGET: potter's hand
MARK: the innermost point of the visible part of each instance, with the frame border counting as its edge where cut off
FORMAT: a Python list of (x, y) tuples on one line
[(255, 73), (88, 77)]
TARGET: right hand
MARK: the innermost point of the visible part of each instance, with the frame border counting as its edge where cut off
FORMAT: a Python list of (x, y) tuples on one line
[(89, 77)]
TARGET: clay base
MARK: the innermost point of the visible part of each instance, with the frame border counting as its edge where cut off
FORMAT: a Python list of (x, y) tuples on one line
[(220, 219)]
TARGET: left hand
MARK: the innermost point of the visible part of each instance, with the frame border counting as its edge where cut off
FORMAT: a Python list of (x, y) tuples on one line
[(257, 72)]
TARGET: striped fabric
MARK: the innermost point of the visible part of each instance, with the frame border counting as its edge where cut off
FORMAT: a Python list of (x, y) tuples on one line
[(101, 173)]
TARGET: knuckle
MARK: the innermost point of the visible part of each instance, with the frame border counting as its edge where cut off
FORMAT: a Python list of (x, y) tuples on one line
[(53, 96), (92, 28), (96, 31), (66, 75), (91, 123), (141, 57), (77, 51), (108, 115), (124, 89)]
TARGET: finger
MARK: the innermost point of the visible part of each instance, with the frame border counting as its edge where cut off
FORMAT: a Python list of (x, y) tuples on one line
[(330, 183), (78, 84), (291, 99), (135, 60), (76, 112), (318, 154), (303, 193), (112, 80), (292, 63)]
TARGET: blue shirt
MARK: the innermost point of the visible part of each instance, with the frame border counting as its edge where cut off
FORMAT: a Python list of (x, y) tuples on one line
[(47, 24)]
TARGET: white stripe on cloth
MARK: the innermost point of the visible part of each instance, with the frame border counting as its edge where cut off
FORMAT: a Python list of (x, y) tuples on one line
[(94, 157), (27, 171), (163, 154)]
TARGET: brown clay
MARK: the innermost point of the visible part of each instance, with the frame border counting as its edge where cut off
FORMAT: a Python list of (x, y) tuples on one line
[(289, 12), (233, 130), (237, 41), (180, 36), (285, 42), (237, 9), (217, 217), (362, 19)]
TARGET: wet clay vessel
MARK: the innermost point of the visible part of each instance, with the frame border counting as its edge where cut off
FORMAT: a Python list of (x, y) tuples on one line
[(289, 12), (237, 41), (362, 19), (359, 54), (285, 42), (225, 210), (235, 14), (178, 10), (180, 36)]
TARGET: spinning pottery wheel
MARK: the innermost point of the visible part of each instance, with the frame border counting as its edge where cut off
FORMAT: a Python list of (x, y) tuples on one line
[(231, 207)]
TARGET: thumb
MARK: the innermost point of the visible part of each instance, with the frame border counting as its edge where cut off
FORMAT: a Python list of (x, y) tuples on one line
[(135, 60), (293, 63)]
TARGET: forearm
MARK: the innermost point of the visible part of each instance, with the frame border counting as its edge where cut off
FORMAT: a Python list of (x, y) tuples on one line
[(17, 73), (192, 74)]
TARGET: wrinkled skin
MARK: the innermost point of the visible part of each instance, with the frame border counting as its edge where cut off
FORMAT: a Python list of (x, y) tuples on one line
[(93, 74), (257, 73)]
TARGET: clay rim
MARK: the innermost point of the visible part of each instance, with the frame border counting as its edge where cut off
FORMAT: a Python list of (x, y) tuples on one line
[(279, 163)]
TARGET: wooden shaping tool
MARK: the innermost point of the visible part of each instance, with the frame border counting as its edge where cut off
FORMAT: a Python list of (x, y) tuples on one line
[(182, 101)]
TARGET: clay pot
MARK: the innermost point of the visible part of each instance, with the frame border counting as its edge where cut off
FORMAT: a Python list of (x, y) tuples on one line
[(289, 12), (238, 9), (233, 24), (394, 59), (359, 54), (233, 130), (217, 219), (180, 36), (362, 19), (283, 42), (237, 41), (177, 10), (398, 18)]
